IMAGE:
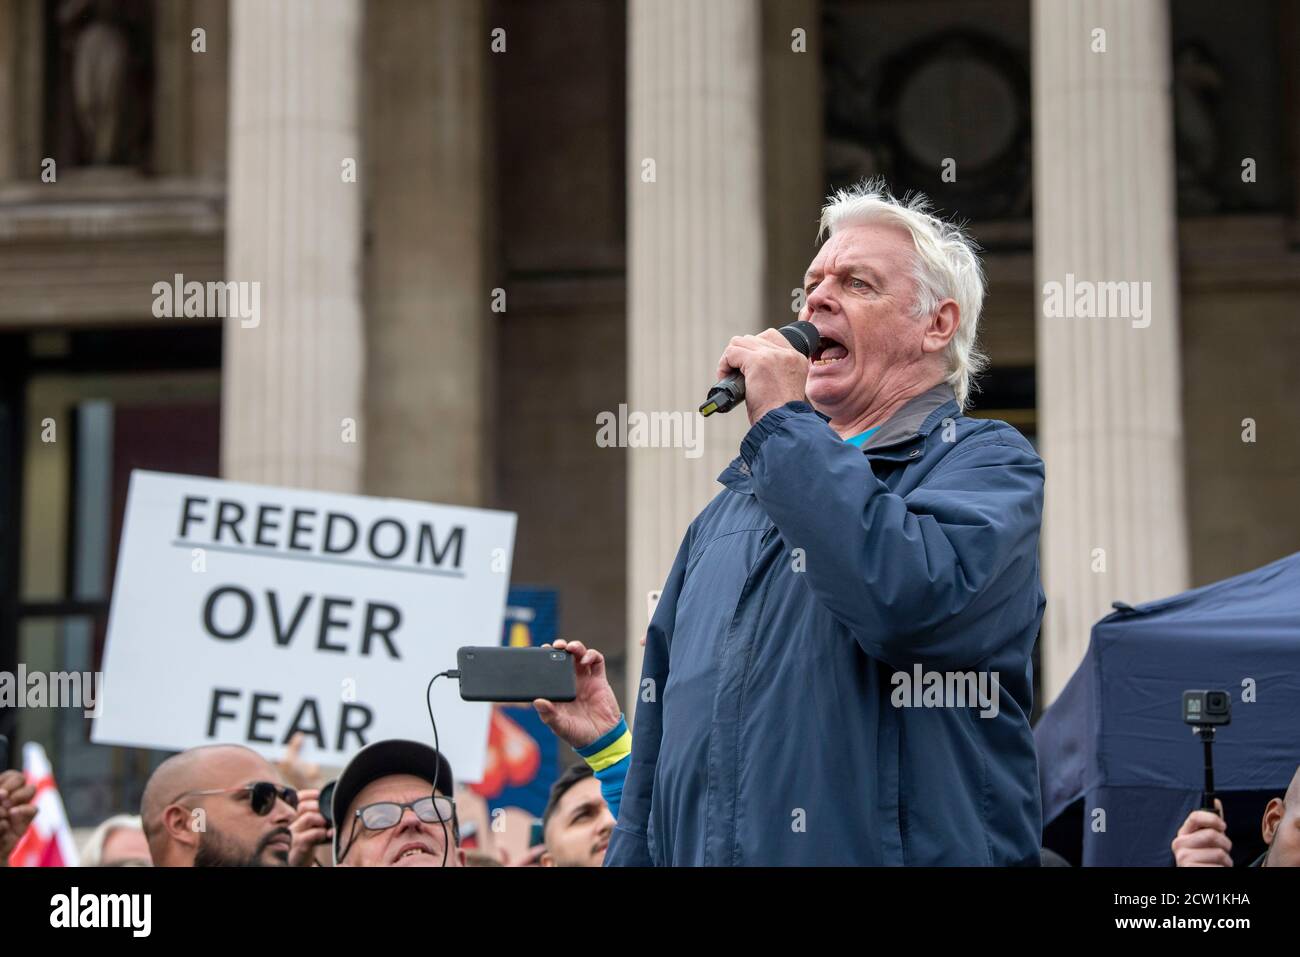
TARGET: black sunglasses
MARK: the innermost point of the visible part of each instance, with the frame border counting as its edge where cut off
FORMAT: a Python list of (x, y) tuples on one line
[(261, 795)]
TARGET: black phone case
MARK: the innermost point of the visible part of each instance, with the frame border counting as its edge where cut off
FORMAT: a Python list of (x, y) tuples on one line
[(515, 674)]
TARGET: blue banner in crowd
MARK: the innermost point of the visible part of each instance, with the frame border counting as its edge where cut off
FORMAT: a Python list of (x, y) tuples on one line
[(523, 755)]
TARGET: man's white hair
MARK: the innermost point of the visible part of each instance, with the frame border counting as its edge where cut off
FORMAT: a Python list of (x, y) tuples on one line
[(92, 855), (946, 265)]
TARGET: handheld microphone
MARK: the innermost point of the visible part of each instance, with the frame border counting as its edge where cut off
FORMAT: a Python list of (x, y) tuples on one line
[(729, 393)]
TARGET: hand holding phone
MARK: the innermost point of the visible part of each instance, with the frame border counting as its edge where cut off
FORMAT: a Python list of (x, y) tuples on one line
[(594, 712)]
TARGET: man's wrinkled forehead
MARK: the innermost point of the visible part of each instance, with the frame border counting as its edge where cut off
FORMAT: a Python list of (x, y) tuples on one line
[(874, 250)]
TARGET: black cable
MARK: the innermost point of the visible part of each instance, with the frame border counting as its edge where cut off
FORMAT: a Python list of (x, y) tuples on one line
[(428, 703)]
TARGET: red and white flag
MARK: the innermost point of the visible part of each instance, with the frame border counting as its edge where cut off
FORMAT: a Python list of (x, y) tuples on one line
[(48, 842)]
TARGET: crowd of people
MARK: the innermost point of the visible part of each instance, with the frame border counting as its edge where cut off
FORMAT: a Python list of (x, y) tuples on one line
[(392, 805)]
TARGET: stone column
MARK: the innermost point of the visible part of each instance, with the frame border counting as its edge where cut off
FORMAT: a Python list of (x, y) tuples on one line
[(8, 86), (1109, 402), (695, 258), (291, 387), (172, 96), (427, 292), (22, 87), (794, 165), (210, 89)]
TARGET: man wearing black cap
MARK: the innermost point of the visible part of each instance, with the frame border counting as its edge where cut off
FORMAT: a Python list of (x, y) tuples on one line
[(392, 807)]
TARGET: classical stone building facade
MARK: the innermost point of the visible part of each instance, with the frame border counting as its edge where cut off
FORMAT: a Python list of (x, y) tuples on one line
[(479, 224)]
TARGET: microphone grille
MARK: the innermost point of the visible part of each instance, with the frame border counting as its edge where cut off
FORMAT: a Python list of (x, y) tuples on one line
[(803, 336)]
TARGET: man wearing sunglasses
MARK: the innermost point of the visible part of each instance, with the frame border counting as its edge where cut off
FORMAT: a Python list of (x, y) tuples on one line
[(218, 806), (392, 807)]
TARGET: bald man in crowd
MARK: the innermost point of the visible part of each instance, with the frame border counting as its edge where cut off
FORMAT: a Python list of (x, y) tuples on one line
[(1202, 841), (218, 806)]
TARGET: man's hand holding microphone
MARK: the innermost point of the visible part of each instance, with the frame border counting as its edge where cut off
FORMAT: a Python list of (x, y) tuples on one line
[(767, 370)]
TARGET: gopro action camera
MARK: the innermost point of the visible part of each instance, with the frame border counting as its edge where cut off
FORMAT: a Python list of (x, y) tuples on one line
[(1207, 708)]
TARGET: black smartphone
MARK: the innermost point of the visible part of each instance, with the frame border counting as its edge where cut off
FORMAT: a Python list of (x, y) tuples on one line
[(4, 752), (515, 674)]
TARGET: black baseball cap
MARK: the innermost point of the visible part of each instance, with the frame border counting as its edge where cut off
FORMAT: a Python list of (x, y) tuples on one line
[(378, 760)]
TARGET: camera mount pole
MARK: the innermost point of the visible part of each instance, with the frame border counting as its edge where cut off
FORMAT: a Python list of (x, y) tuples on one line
[(1206, 733)]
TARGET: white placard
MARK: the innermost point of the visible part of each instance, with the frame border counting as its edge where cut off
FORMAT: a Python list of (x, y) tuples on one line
[(242, 613)]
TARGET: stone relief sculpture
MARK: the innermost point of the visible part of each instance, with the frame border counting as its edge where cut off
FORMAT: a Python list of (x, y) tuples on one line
[(1198, 83), (99, 62), (102, 99)]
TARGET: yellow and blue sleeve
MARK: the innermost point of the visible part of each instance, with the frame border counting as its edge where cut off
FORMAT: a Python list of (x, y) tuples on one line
[(609, 756)]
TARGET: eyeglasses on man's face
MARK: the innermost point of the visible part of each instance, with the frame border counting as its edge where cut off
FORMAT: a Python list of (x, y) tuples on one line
[(433, 809)]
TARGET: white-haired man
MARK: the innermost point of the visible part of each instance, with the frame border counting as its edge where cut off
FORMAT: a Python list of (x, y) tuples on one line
[(838, 670), (117, 842)]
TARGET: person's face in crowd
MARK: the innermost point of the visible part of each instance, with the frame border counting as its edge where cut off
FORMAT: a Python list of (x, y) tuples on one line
[(411, 842), (124, 845), (578, 831), (861, 296), (1281, 828), (231, 833)]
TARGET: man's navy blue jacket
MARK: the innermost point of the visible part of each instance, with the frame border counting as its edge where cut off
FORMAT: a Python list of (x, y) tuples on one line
[(765, 732)]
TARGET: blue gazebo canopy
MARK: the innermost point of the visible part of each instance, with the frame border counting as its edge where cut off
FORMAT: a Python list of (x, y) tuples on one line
[(1115, 737)]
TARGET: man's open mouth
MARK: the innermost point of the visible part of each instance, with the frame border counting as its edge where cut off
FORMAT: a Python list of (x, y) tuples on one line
[(414, 850), (829, 351)]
